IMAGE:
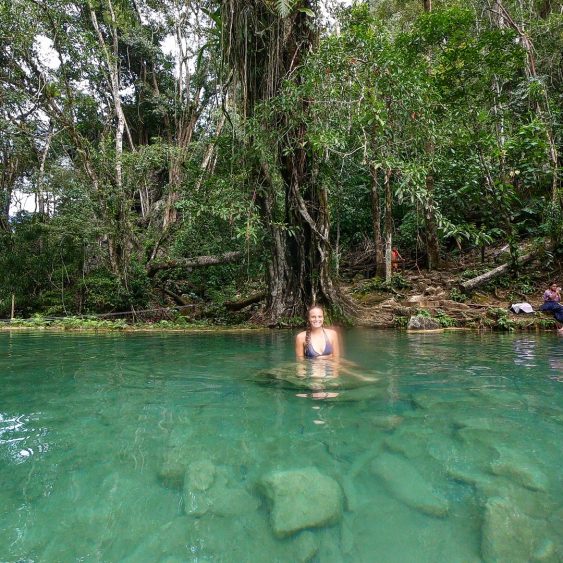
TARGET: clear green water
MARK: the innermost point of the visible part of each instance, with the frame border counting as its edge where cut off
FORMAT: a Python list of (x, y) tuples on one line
[(453, 454)]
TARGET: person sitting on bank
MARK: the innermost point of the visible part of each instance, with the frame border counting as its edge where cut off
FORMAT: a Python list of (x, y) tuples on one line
[(551, 302), (395, 259), (317, 341), (552, 293)]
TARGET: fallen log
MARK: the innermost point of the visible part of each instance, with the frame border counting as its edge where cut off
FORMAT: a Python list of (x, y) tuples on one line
[(197, 262), (178, 299), (242, 303), (478, 281)]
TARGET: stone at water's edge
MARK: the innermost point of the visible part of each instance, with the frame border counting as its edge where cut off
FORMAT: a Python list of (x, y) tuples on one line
[(301, 498), (406, 484), (510, 535), (418, 322)]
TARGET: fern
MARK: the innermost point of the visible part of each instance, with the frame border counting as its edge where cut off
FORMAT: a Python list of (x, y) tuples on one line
[(284, 7)]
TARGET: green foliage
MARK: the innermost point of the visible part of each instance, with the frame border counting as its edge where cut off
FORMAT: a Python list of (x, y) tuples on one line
[(77, 323), (36, 320), (474, 272), (457, 295), (92, 323), (70, 323), (444, 100), (524, 284), (501, 319), (180, 323), (284, 7), (527, 151), (102, 292), (444, 319), (292, 322), (398, 281), (424, 313), (400, 322), (546, 323)]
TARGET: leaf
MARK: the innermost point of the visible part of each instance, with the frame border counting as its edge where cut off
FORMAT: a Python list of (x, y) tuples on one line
[(284, 7), (307, 11)]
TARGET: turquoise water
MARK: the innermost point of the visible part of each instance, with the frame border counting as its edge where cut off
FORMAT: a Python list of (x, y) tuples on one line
[(197, 447)]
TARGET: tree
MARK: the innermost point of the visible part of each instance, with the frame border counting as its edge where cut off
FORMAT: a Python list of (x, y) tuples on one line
[(265, 49)]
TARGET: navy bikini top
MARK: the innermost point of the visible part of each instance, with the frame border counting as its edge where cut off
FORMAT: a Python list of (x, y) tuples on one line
[(310, 352)]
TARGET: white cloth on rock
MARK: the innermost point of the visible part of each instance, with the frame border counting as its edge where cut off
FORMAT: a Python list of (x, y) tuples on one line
[(522, 308)]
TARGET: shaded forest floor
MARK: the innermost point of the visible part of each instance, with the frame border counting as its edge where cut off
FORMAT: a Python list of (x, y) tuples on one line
[(438, 295)]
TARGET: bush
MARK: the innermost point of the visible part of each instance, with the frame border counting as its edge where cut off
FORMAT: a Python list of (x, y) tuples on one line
[(103, 292), (379, 284), (457, 296), (501, 318), (444, 319)]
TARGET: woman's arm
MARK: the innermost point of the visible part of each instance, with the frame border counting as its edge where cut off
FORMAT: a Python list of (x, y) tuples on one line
[(300, 345), (335, 341)]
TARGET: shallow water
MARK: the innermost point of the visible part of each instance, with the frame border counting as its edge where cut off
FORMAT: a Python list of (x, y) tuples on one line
[(157, 448)]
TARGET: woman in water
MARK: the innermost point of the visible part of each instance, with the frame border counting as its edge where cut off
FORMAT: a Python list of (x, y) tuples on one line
[(317, 341), (320, 343)]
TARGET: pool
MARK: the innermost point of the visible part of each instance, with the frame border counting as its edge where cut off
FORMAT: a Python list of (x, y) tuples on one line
[(177, 447)]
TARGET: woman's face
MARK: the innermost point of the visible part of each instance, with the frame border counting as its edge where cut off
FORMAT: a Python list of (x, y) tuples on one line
[(316, 317), (553, 287)]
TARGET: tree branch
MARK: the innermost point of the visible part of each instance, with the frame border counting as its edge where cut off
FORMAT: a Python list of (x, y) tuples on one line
[(197, 262)]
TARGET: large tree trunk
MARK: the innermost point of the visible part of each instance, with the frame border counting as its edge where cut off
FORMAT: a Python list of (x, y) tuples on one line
[(265, 49), (376, 222), (119, 243), (7, 178), (42, 203), (388, 224), (307, 252), (5, 201), (431, 226)]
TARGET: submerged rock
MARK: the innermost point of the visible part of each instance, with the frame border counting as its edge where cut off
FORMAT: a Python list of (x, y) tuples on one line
[(305, 547), (200, 475), (207, 490), (177, 456), (510, 535), (536, 504), (483, 439), (406, 484), (246, 538), (517, 467), (301, 498), (435, 402), (163, 544), (411, 440), (386, 421)]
